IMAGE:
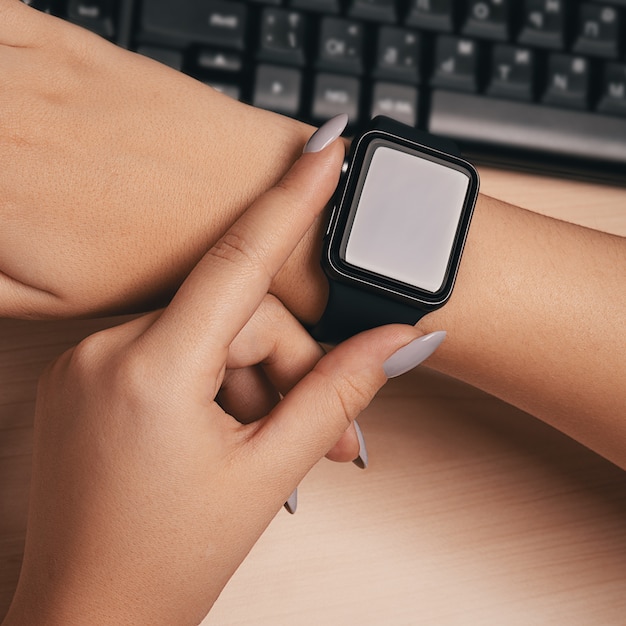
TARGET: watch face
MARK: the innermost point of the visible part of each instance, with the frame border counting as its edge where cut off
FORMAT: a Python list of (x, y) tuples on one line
[(402, 219)]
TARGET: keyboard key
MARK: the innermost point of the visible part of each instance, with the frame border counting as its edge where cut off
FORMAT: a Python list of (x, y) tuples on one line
[(396, 101), (398, 55), (381, 11), (282, 37), (523, 127), (341, 46), (321, 6), (96, 15), (488, 18), (613, 96), (435, 15), (333, 95), (278, 89), (598, 31), (512, 72), (456, 62), (567, 81), (217, 22), (543, 24), (219, 60)]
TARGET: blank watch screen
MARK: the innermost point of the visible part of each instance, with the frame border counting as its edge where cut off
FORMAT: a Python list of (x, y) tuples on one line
[(407, 212)]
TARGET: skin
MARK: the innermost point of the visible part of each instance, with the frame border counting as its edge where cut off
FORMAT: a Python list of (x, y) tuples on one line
[(538, 318), (153, 207), (92, 226), (141, 469), (115, 183)]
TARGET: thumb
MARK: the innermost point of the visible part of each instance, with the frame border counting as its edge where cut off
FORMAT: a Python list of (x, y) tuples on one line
[(312, 417)]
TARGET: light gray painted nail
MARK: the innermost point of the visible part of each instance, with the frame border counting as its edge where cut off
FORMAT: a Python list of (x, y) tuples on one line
[(292, 503), (327, 133), (362, 459), (414, 353)]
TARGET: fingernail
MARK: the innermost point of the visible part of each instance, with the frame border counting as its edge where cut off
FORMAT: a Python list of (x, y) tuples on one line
[(361, 460), (326, 134), (414, 353), (292, 503)]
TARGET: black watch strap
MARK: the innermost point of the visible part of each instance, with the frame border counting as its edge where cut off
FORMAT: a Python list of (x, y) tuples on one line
[(351, 310)]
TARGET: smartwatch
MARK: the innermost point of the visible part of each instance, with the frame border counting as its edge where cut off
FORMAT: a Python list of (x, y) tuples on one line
[(395, 236)]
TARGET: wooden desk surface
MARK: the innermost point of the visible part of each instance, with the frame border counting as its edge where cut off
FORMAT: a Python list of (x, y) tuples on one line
[(471, 512)]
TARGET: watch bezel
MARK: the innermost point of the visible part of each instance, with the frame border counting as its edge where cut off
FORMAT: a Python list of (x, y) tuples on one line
[(343, 215)]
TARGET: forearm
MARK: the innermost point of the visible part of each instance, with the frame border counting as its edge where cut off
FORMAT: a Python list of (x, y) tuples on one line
[(537, 318)]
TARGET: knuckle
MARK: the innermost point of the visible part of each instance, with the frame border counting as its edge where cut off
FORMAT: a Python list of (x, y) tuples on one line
[(135, 381), (234, 248), (85, 360), (347, 394), (354, 394), (273, 310), (79, 371), (122, 372)]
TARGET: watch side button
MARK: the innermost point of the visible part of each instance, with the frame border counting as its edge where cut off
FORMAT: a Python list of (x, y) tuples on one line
[(342, 176)]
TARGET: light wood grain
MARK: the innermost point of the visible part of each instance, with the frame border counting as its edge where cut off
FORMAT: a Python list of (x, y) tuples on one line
[(471, 512)]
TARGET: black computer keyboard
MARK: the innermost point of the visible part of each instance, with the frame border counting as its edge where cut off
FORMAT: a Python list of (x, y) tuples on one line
[(536, 84)]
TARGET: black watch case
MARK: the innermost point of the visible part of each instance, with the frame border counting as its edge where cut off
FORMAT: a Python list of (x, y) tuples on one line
[(400, 219)]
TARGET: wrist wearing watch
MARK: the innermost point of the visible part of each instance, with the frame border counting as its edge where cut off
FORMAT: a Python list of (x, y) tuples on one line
[(395, 236)]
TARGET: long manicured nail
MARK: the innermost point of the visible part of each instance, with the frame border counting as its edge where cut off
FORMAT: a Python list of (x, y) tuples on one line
[(292, 503), (326, 134), (414, 353), (361, 460)]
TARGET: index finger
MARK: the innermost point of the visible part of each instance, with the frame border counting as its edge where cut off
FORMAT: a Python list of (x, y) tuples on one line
[(228, 284)]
